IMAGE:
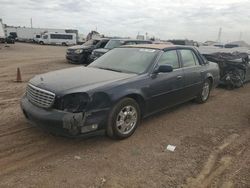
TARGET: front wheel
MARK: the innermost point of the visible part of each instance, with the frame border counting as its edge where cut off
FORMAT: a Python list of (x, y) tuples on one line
[(203, 96), (123, 119)]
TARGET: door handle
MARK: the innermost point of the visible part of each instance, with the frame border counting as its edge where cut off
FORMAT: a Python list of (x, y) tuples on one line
[(179, 77)]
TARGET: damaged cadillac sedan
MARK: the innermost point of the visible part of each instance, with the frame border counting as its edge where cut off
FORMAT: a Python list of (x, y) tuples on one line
[(117, 90)]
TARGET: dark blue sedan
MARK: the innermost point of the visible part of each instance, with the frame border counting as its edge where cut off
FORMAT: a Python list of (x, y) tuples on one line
[(113, 93)]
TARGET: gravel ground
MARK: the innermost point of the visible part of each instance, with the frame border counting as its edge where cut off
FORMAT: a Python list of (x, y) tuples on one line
[(212, 139)]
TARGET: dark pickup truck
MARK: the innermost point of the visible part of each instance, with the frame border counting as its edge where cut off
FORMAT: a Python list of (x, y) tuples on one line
[(113, 93)]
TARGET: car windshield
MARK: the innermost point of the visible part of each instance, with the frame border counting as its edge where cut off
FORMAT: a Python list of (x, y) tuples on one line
[(128, 60), (91, 42), (113, 44)]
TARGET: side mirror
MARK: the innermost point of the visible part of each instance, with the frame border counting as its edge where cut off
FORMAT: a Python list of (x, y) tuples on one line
[(164, 69)]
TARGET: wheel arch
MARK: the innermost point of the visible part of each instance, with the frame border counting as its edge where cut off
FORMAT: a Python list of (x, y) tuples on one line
[(139, 99), (210, 77)]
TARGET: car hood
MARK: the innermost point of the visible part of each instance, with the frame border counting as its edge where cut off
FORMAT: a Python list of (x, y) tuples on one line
[(101, 50), (79, 47), (69, 80)]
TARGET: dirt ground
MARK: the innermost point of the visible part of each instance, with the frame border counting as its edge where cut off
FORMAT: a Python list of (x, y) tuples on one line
[(212, 139)]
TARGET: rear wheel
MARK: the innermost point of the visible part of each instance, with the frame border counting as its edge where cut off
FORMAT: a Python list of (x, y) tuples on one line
[(123, 119), (41, 42), (205, 92)]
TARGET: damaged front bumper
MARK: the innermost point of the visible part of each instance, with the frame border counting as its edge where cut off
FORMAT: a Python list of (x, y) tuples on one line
[(66, 123)]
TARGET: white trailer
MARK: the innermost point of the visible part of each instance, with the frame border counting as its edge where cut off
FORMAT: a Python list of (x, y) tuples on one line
[(64, 39)]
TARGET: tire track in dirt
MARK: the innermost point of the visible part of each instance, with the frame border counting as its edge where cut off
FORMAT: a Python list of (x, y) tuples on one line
[(25, 153), (10, 133), (218, 162)]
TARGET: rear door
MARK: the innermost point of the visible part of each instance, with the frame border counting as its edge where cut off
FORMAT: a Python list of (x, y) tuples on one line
[(193, 71), (166, 89)]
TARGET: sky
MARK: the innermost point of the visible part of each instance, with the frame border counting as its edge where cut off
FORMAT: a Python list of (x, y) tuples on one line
[(199, 20)]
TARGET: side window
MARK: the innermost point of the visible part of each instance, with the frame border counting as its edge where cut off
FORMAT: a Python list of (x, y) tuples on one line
[(188, 58), (169, 58), (95, 42), (103, 44)]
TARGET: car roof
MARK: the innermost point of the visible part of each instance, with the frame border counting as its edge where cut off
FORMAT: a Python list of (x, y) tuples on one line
[(128, 39), (158, 46), (101, 39)]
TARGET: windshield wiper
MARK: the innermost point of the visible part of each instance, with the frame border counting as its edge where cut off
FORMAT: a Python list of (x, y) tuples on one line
[(109, 69)]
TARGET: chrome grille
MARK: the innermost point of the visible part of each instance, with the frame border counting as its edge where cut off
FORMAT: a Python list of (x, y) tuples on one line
[(40, 97)]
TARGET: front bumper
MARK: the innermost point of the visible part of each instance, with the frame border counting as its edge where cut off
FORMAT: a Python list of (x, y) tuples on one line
[(65, 123)]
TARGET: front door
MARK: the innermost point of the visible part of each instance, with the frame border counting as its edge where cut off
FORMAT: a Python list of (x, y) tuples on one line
[(165, 89)]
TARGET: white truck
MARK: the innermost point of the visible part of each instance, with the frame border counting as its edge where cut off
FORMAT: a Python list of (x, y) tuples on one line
[(2, 33), (64, 39)]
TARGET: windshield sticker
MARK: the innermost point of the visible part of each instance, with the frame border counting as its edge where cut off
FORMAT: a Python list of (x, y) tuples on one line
[(146, 50)]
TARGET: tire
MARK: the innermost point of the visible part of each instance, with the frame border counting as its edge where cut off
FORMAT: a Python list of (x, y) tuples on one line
[(127, 111), (64, 44), (41, 42), (203, 96)]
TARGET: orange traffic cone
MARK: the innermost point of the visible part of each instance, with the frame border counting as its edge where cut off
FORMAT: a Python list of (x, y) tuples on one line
[(18, 75)]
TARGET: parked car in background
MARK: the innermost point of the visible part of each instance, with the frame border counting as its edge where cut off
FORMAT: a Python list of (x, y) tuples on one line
[(184, 42), (113, 93), (80, 54), (231, 46), (10, 40), (64, 39), (114, 43), (233, 63)]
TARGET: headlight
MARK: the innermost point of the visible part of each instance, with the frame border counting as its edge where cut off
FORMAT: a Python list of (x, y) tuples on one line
[(75, 102), (78, 51)]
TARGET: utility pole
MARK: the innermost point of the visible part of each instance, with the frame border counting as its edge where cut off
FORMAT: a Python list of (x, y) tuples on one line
[(219, 35), (31, 24), (240, 38)]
